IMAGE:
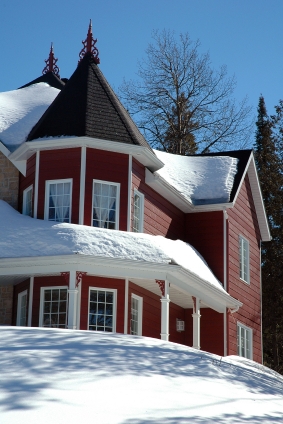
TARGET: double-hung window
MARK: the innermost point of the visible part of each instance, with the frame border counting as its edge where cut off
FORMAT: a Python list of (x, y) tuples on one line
[(245, 341), (244, 259), (138, 212), (105, 204), (53, 307), (58, 200), (22, 308), (136, 315), (27, 201), (102, 309)]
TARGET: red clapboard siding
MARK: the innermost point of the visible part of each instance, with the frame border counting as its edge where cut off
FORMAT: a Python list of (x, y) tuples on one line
[(43, 282), (151, 316), (18, 289), (160, 216), (106, 283), (57, 165), (211, 330), (243, 221), (106, 166), (27, 181), (204, 231)]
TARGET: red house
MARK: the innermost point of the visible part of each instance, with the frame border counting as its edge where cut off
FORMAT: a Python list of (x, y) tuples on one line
[(84, 162)]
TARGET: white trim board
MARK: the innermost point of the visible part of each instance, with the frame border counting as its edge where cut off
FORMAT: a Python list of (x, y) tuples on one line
[(142, 154), (212, 296)]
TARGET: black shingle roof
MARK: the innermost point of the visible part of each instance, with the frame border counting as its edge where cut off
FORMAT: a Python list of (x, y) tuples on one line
[(87, 106), (50, 79)]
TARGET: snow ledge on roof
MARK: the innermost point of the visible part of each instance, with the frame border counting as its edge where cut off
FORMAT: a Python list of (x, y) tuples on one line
[(200, 179), (22, 236), (21, 109)]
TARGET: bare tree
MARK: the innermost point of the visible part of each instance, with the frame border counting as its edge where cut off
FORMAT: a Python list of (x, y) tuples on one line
[(181, 104)]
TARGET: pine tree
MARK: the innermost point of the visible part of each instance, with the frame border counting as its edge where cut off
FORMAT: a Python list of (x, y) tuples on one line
[(270, 175)]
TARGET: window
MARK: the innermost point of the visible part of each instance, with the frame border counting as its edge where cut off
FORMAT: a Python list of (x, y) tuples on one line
[(53, 307), (244, 341), (136, 315), (27, 201), (105, 204), (102, 310), (244, 259), (22, 309), (138, 212), (58, 200)]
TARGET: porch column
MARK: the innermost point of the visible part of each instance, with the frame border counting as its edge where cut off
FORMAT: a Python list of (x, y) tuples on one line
[(196, 322), (164, 286), (72, 301)]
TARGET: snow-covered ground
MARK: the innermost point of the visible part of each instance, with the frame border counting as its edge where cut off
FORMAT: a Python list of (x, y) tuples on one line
[(35, 237), (21, 109), (66, 376), (201, 180)]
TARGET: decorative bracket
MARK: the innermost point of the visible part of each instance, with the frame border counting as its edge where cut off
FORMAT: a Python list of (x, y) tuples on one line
[(79, 277), (66, 276), (89, 46), (51, 64), (161, 284)]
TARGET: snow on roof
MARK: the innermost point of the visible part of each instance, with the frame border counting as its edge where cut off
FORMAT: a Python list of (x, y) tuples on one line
[(53, 375), (200, 179), (21, 109), (22, 236)]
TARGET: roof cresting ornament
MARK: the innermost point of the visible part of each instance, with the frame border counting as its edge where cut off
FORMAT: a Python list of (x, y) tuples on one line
[(89, 46), (51, 63)]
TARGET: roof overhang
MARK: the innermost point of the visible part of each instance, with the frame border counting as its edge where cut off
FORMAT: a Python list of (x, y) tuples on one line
[(142, 154), (213, 296), (20, 165), (251, 171), (159, 184)]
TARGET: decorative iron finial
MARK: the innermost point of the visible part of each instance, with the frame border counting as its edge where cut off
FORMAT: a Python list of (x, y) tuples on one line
[(89, 46), (51, 63)]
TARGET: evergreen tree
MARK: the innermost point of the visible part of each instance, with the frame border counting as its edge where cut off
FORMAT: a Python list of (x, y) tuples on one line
[(270, 174)]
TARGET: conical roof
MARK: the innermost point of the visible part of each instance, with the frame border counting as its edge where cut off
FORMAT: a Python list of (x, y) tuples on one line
[(87, 106)]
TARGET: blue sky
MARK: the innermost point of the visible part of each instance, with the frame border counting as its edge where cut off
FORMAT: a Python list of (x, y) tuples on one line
[(245, 35)]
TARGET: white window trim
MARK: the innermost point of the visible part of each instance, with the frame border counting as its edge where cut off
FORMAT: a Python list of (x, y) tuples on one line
[(42, 289), (140, 309), (141, 217), (114, 291), (46, 206), (20, 296), (25, 192), (117, 201), (241, 240), (250, 332)]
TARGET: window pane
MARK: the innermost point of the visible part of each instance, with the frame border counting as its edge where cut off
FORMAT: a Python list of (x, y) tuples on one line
[(59, 202), (55, 308), (27, 201), (244, 259), (134, 316), (104, 205), (47, 295), (244, 337), (101, 310)]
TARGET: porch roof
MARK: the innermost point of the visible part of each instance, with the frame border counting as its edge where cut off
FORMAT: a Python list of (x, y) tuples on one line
[(30, 247)]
